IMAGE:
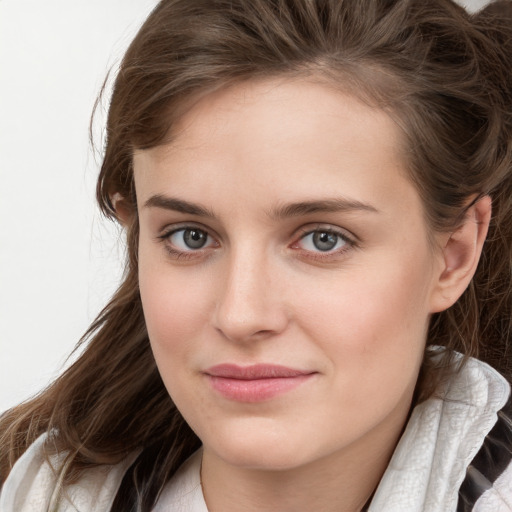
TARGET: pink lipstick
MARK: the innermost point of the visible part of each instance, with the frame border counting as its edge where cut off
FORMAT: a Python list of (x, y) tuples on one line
[(254, 383)]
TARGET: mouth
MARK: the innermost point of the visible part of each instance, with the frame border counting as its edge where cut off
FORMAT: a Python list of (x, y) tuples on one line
[(255, 383)]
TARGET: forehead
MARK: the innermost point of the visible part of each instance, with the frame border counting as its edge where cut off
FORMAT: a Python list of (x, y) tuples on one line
[(279, 136)]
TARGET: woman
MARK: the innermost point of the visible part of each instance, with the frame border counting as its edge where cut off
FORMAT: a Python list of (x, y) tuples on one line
[(317, 201)]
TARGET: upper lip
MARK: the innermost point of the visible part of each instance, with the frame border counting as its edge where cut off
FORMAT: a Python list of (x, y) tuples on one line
[(254, 372)]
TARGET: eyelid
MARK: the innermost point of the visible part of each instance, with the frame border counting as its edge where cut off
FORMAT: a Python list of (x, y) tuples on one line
[(329, 228), (172, 228)]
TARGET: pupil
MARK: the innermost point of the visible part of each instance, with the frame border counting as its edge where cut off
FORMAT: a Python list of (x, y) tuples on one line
[(324, 241), (194, 238)]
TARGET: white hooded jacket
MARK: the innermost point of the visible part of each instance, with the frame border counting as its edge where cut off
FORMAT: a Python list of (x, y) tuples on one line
[(455, 456)]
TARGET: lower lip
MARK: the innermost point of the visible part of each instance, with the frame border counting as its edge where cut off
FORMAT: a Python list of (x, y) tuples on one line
[(256, 390)]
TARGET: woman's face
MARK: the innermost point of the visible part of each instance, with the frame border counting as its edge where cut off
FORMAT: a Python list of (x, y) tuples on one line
[(285, 273)]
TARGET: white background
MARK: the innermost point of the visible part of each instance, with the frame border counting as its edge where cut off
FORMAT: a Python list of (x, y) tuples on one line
[(59, 260)]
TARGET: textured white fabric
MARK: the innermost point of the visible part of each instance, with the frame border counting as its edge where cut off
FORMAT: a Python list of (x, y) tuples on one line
[(31, 483), (429, 464), (441, 439), (499, 498)]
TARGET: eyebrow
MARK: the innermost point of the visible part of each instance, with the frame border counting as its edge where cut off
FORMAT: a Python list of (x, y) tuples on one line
[(332, 205), (177, 205)]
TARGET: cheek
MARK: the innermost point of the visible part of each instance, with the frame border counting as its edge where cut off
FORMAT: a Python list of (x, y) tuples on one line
[(373, 335), (175, 310), (174, 320), (364, 308), (168, 314), (370, 322)]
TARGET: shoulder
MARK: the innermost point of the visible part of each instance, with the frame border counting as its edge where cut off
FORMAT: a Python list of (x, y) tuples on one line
[(486, 485), (488, 482), (31, 485), (29, 481), (455, 452)]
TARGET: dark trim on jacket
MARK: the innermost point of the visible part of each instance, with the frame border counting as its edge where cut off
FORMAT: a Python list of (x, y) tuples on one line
[(491, 461)]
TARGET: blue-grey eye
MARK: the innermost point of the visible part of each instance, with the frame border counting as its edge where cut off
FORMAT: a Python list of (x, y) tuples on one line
[(323, 241), (189, 239)]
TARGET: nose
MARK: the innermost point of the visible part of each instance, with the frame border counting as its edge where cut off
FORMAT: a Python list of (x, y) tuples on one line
[(249, 305)]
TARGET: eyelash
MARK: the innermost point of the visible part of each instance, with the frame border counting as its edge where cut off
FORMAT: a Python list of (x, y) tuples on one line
[(319, 255)]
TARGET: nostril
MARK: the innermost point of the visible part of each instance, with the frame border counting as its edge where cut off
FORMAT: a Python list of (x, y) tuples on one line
[(249, 325)]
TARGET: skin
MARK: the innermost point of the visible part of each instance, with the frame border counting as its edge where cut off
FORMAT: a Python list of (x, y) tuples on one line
[(260, 291)]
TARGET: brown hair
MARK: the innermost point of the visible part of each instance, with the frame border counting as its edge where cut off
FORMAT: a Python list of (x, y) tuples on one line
[(444, 77)]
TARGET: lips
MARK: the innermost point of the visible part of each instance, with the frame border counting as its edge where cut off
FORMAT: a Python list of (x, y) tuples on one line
[(255, 383)]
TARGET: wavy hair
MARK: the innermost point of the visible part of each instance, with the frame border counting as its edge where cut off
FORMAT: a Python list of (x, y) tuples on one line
[(441, 73)]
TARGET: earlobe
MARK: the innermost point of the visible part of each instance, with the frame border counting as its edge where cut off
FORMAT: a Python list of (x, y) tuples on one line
[(124, 211), (461, 252)]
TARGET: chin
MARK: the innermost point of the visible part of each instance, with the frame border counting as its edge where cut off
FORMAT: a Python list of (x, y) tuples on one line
[(265, 449), (262, 459)]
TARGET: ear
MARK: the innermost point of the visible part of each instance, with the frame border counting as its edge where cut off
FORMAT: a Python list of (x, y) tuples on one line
[(460, 253), (124, 211)]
